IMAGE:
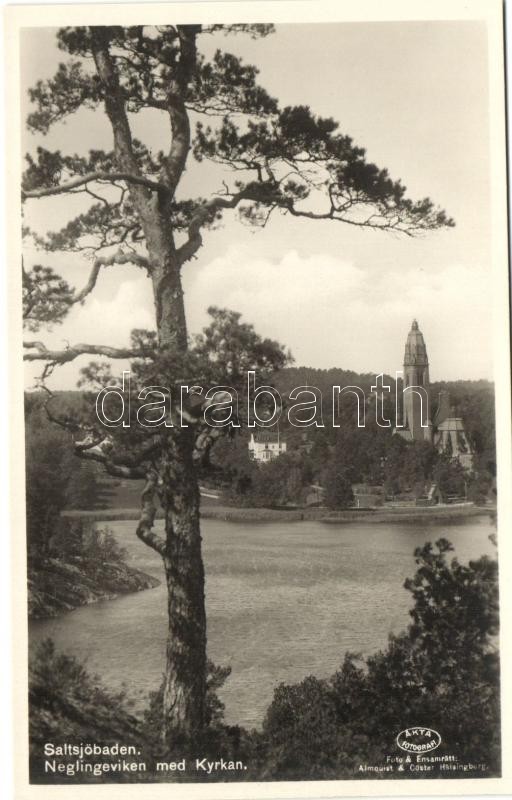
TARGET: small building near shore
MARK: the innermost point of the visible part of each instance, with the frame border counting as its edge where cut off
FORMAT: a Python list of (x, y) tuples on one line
[(366, 496), (432, 496), (265, 445)]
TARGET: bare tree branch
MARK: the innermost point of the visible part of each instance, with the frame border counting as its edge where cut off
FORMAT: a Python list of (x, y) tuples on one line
[(108, 261), (39, 352)]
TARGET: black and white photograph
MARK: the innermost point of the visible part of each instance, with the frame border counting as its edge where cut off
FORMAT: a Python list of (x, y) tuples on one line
[(266, 392)]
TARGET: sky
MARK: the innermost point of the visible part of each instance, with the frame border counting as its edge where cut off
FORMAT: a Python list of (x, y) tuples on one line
[(415, 95)]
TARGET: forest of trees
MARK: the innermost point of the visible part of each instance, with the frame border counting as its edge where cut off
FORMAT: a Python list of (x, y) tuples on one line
[(338, 457)]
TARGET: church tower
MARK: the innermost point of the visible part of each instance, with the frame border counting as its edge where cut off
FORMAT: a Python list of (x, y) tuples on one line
[(416, 386)]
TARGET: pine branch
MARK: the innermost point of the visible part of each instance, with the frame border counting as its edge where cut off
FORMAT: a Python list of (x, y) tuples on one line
[(99, 448), (80, 180), (204, 442), (205, 212), (174, 164), (115, 107), (116, 470), (147, 516)]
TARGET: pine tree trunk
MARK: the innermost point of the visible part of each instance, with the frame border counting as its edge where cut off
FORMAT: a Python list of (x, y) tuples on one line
[(185, 672), (185, 675)]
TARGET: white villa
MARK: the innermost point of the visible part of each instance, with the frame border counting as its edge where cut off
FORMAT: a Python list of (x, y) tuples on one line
[(266, 445)]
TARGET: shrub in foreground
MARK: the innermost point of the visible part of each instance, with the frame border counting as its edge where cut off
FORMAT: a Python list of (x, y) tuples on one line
[(442, 673)]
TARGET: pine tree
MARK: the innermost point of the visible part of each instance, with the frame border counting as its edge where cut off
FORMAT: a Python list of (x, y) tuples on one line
[(286, 161)]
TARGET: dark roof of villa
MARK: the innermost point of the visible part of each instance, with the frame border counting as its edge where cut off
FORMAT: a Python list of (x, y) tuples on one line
[(266, 437)]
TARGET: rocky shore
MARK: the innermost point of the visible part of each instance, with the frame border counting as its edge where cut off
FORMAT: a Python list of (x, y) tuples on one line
[(58, 586)]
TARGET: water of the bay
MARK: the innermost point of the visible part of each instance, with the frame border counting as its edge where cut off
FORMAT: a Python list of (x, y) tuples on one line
[(284, 600)]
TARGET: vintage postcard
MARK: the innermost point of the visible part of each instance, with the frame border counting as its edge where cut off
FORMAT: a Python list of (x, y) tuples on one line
[(261, 521)]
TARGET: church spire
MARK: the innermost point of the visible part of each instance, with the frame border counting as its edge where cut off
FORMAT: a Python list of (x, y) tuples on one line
[(415, 348), (416, 385)]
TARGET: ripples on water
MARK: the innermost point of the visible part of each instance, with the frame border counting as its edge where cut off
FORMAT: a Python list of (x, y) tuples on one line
[(284, 600)]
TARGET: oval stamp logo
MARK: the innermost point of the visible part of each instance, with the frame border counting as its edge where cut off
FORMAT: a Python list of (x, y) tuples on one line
[(418, 740)]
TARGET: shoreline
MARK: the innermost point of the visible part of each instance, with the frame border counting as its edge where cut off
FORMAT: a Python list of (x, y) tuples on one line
[(432, 514)]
